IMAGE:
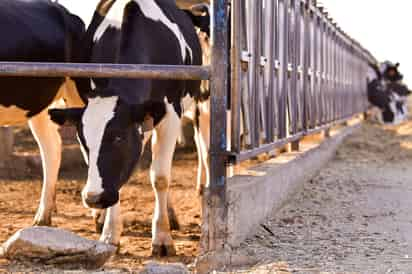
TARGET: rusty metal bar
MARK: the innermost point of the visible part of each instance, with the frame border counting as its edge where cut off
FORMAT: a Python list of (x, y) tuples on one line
[(214, 227), (236, 74), (23, 69)]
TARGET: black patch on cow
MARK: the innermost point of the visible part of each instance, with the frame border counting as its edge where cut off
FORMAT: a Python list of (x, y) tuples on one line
[(34, 31)]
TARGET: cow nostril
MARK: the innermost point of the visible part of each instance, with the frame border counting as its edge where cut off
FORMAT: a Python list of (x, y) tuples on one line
[(91, 198)]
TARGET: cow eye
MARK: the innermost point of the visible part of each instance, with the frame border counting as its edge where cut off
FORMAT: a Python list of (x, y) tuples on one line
[(117, 140)]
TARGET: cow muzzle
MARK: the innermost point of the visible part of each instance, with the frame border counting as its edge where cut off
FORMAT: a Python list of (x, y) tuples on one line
[(100, 200)]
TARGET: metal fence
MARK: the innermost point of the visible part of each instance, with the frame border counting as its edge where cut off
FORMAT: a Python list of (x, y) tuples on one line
[(289, 70), (295, 72)]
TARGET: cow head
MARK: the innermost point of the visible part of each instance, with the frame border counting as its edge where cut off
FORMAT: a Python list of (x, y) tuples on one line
[(391, 72), (110, 133)]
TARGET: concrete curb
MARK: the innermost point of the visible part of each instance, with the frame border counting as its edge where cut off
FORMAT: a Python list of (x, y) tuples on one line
[(253, 198)]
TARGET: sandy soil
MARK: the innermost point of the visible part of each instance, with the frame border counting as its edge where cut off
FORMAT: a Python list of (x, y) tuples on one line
[(19, 199), (354, 217)]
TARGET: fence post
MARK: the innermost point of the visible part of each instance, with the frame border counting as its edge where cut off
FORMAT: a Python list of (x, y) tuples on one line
[(214, 227)]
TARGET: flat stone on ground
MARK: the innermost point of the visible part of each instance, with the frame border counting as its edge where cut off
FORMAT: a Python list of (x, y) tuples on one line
[(156, 268), (54, 246)]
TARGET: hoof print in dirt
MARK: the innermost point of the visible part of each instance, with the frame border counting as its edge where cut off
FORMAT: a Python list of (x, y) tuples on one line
[(163, 251), (155, 268), (53, 246)]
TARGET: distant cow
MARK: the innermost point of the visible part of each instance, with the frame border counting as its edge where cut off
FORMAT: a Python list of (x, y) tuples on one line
[(388, 93), (38, 31), (120, 113)]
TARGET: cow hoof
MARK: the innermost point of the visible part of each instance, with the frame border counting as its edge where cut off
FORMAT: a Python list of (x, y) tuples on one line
[(163, 250), (173, 221), (42, 222)]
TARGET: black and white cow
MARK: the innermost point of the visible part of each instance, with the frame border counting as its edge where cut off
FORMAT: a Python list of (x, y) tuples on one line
[(388, 93), (38, 31), (112, 125)]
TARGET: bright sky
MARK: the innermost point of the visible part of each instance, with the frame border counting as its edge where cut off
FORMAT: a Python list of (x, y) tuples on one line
[(382, 26)]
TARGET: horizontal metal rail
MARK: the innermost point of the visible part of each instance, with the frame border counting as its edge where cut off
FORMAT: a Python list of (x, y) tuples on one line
[(133, 71), (235, 158)]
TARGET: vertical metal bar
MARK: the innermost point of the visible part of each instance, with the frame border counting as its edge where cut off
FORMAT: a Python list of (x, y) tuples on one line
[(262, 87), (333, 72), (294, 33), (255, 67), (245, 75), (322, 70), (277, 85), (215, 205), (293, 58), (316, 69), (284, 64), (306, 59), (327, 73), (300, 36), (312, 107), (339, 101), (236, 86), (271, 73)]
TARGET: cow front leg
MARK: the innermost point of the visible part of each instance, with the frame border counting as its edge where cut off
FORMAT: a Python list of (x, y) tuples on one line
[(113, 225), (49, 141), (163, 146)]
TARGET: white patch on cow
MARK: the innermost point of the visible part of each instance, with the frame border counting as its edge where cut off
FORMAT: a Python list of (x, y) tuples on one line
[(11, 116), (93, 84), (152, 11), (97, 115), (189, 107), (399, 115), (114, 18)]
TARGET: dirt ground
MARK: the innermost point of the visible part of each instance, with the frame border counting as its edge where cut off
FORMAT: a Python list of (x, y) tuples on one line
[(19, 199), (354, 217)]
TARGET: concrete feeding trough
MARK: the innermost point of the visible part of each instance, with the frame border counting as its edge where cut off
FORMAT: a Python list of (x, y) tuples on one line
[(57, 247)]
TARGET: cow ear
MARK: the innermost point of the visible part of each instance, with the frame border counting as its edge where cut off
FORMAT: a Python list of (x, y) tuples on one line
[(200, 16), (71, 116), (397, 65), (151, 109)]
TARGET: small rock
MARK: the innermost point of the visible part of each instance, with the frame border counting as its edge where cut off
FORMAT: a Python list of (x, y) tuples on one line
[(47, 245), (156, 268)]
